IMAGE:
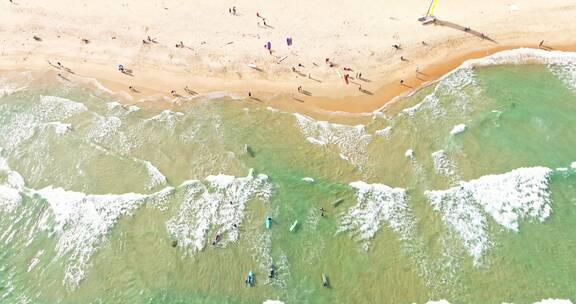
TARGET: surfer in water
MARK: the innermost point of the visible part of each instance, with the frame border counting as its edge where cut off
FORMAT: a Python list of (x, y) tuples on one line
[(216, 239), (272, 271)]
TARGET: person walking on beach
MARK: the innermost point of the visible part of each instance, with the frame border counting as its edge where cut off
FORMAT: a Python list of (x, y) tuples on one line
[(234, 10), (299, 89)]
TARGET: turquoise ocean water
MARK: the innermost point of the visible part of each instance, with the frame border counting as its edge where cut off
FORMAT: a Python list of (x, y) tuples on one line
[(465, 191)]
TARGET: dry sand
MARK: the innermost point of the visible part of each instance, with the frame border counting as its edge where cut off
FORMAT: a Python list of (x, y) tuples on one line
[(219, 45)]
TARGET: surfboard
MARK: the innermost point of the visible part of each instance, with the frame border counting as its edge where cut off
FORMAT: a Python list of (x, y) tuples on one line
[(293, 225)]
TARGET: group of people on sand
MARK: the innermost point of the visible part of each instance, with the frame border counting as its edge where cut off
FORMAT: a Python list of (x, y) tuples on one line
[(345, 75)]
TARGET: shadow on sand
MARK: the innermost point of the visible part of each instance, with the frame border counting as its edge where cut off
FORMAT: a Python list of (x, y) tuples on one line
[(463, 29)]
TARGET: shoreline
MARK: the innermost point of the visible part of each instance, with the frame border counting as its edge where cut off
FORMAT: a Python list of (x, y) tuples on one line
[(316, 106), (220, 48)]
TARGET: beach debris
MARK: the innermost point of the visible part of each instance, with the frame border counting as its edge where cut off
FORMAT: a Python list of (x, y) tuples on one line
[(254, 67), (325, 282), (86, 41), (293, 225), (174, 243), (337, 202), (281, 59), (308, 179), (191, 92), (37, 38)]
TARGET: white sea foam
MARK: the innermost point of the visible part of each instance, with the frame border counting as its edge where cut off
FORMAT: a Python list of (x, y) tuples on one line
[(384, 132), (554, 301), (11, 182), (53, 108), (508, 198), (573, 165), (105, 128), (271, 109), (272, 302), (82, 222), (169, 118), (315, 141), (458, 129), (113, 105), (59, 127), (377, 203), (217, 203), (563, 64), (438, 302), (19, 126), (133, 109), (155, 177), (34, 261), (351, 141), (443, 164), (9, 198), (308, 179), (413, 109)]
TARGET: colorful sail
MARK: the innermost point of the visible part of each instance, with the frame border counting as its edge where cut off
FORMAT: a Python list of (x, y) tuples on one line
[(432, 7)]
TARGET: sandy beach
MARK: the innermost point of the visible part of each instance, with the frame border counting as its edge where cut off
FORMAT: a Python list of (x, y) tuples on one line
[(220, 49)]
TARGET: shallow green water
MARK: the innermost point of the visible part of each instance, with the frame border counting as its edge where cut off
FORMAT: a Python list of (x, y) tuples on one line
[(73, 231)]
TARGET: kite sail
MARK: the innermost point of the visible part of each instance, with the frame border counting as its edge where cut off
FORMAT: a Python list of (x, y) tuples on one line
[(429, 17), (431, 8)]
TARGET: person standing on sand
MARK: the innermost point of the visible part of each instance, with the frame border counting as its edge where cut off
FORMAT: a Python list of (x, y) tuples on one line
[(541, 44), (300, 89), (234, 10)]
